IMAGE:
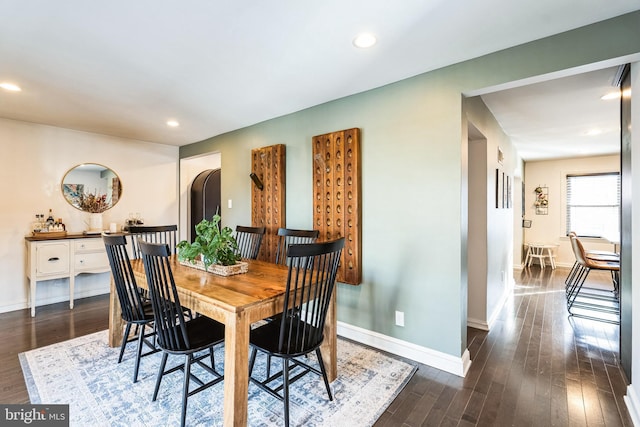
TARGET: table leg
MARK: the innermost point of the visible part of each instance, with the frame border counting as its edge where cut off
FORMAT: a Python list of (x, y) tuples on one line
[(236, 369), (115, 317), (329, 348)]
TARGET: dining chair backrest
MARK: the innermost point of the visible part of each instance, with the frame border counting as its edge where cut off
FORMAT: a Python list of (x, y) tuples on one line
[(168, 314), (125, 282), (249, 240), (167, 234), (578, 250), (312, 275), (289, 236)]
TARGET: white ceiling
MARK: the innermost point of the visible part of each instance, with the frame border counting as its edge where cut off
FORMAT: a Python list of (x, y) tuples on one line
[(561, 118), (123, 67)]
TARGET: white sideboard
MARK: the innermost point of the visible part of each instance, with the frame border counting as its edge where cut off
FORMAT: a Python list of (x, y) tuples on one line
[(63, 257)]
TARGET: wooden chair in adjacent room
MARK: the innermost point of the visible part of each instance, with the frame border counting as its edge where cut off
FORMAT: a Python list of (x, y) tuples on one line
[(176, 334), (249, 240), (289, 236), (299, 330), (135, 309), (167, 234)]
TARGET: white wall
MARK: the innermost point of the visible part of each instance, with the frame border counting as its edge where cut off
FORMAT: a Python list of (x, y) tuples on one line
[(491, 231), (551, 228), (35, 159)]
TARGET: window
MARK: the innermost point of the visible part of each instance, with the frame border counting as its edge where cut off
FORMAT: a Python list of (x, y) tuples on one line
[(593, 204)]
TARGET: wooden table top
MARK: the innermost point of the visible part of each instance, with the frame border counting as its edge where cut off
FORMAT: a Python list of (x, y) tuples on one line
[(262, 282)]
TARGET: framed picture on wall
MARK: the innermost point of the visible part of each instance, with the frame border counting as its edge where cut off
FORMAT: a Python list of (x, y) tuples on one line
[(504, 190), (498, 196), (508, 192)]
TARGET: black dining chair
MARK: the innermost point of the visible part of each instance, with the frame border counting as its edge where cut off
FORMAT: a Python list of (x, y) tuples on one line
[(135, 309), (176, 334), (167, 234), (290, 236), (249, 240), (300, 329)]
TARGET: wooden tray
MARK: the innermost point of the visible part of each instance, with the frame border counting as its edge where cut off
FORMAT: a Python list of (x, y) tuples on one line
[(221, 270), (49, 234)]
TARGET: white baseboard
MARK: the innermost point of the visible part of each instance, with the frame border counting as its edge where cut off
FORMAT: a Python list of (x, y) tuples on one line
[(633, 405), (454, 365), (79, 294), (477, 324), (5, 308), (485, 325)]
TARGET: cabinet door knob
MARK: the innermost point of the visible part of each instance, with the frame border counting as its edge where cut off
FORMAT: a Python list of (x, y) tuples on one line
[(55, 258)]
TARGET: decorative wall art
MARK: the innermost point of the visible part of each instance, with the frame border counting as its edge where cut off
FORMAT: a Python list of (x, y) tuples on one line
[(542, 200), (498, 189), (268, 200), (337, 210)]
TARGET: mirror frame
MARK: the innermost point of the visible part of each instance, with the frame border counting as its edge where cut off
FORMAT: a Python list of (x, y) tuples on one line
[(74, 192)]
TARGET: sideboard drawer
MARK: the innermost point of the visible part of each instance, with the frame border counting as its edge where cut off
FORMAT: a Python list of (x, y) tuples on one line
[(91, 261), (89, 245), (52, 258)]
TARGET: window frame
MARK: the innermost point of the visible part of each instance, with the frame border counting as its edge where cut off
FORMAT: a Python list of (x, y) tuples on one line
[(568, 206)]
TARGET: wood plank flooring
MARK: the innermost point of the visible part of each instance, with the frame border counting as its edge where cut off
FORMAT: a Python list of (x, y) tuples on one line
[(535, 367)]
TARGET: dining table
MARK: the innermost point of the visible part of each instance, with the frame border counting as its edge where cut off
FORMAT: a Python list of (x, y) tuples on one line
[(237, 301)]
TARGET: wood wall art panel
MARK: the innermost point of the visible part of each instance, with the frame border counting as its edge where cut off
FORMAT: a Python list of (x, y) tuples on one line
[(268, 204), (336, 196)]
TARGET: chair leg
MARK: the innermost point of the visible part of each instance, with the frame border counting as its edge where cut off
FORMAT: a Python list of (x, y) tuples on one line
[(125, 337), (324, 373), (252, 360), (213, 358), (185, 388), (138, 353), (285, 389), (160, 374)]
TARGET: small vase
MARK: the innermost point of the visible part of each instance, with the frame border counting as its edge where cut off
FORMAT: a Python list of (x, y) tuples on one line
[(95, 222)]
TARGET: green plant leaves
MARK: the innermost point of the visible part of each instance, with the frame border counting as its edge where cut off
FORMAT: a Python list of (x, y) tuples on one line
[(213, 244)]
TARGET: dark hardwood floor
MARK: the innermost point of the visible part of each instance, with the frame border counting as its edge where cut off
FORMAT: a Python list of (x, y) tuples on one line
[(535, 367)]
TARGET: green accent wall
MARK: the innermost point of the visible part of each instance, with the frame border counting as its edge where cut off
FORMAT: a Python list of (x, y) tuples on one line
[(413, 177)]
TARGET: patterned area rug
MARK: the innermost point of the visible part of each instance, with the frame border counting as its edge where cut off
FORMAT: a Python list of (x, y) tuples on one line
[(84, 373)]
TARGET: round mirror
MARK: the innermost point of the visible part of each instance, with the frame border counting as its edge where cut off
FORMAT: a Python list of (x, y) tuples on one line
[(91, 187)]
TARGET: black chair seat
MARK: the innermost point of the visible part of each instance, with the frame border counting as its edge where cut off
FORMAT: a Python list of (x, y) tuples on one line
[(201, 332), (263, 337)]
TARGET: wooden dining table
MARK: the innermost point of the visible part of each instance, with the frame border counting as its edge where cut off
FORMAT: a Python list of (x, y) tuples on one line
[(236, 301)]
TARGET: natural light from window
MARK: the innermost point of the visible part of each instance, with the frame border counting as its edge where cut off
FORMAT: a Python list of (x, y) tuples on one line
[(593, 205)]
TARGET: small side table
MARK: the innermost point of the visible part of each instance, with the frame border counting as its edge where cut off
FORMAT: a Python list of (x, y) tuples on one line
[(540, 251)]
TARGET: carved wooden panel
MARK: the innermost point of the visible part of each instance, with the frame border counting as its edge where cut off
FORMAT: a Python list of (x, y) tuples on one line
[(336, 196), (268, 204)]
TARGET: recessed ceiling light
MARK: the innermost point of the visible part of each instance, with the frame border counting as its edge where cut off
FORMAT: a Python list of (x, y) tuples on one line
[(10, 87), (173, 123), (364, 40), (593, 132)]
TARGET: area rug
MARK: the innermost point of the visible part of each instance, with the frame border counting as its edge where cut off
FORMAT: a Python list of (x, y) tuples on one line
[(84, 373)]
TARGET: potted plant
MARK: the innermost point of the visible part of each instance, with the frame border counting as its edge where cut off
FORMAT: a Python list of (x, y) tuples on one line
[(214, 248)]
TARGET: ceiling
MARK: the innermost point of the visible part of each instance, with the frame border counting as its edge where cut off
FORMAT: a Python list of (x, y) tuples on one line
[(561, 118), (124, 68)]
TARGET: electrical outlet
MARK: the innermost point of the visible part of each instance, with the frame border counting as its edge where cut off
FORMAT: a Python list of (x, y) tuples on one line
[(399, 318)]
